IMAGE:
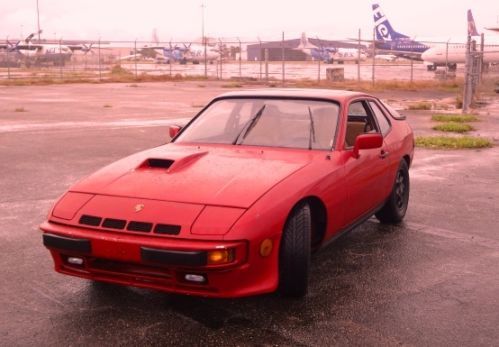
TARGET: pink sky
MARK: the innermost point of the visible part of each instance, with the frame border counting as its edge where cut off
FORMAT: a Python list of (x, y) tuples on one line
[(129, 20)]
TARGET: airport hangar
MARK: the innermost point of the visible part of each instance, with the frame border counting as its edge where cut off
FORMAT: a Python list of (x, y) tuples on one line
[(292, 52)]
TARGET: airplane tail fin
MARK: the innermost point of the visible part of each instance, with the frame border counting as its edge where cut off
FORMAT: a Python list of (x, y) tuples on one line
[(471, 25), (384, 30), (305, 43)]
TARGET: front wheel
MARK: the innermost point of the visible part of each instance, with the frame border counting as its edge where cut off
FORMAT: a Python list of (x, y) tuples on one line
[(395, 207), (294, 254)]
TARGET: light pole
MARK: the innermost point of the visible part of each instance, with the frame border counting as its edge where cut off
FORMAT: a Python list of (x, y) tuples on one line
[(38, 19), (204, 40)]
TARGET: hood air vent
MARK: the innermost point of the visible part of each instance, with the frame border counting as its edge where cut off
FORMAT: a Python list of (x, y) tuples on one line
[(158, 163)]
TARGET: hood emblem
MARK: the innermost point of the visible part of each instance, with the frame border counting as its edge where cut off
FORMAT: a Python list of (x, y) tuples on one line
[(139, 207)]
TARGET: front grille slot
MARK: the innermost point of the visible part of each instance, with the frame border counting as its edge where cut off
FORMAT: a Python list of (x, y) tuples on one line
[(114, 223), (136, 226), (167, 229), (139, 226), (90, 220)]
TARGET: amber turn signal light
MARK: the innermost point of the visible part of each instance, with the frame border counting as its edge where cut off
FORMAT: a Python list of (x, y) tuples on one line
[(266, 247), (220, 256)]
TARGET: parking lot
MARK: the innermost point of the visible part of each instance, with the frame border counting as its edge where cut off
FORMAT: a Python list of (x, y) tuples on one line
[(433, 280)]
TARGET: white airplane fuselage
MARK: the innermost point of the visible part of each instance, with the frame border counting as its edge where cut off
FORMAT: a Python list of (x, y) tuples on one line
[(195, 53), (456, 54), (347, 54)]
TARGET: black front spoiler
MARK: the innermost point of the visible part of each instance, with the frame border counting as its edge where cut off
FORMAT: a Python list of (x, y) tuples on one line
[(148, 255), (67, 243)]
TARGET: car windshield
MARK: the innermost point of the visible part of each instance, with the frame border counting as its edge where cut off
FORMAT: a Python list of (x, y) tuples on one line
[(288, 123)]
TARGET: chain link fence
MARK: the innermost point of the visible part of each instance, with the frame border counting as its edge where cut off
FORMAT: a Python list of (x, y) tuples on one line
[(278, 61)]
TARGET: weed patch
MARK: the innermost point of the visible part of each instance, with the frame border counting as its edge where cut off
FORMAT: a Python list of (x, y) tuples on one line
[(457, 118), (447, 142), (453, 127)]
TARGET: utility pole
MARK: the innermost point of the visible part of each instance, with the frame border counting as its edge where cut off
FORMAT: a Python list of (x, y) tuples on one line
[(38, 19)]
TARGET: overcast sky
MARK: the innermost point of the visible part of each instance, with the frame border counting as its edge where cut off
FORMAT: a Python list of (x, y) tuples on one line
[(181, 19)]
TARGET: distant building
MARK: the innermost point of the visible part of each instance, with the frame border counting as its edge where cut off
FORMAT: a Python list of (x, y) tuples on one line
[(290, 48)]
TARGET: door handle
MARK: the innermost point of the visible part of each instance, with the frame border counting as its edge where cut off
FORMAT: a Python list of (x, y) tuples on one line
[(384, 154)]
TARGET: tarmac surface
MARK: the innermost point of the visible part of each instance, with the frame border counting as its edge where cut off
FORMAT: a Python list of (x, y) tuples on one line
[(433, 280)]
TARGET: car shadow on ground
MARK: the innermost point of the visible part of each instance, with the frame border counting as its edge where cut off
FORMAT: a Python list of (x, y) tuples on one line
[(344, 277)]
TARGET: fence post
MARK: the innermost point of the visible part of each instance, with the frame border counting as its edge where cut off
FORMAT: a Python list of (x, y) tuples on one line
[(260, 58), (135, 57), (98, 60), (475, 61), (482, 47), (267, 64), (358, 57), (412, 71), (8, 60), (170, 58), (240, 61), (283, 63), (61, 59), (467, 79), (374, 54), (446, 59), (319, 71), (221, 57)]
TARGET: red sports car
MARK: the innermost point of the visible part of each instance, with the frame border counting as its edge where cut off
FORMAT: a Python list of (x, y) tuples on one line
[(236, 203)]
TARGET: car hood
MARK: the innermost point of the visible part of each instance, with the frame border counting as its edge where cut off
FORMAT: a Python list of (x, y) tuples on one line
[(208, 175)]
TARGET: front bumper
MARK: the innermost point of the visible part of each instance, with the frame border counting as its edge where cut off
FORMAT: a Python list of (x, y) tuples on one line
[(159, 263)]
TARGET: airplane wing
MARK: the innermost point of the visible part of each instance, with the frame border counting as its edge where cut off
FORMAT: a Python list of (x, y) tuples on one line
[(401, 54)]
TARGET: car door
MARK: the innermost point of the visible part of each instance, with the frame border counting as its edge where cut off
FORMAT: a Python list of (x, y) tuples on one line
[(366, 176), (391, 146)]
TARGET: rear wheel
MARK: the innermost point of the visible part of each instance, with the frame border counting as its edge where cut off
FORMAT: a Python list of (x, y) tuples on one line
[(396, 205), (294, 254)]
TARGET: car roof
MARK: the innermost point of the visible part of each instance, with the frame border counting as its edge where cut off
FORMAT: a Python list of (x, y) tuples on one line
[(331, 94)]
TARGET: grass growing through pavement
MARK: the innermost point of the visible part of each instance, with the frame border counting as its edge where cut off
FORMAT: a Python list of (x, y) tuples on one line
[(445, 142), (453, 127), (458, 118)]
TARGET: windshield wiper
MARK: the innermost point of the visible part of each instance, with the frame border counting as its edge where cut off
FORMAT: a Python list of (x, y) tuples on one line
[(312, 129), (250, 125)]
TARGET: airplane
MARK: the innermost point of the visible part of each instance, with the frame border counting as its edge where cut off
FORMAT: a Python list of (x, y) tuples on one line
[(389, 41), (454, 54), (144, 53), (330, 54), (195, 54), (39, 53)]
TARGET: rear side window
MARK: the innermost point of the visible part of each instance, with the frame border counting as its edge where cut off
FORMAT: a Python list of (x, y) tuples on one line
[(383, 123)]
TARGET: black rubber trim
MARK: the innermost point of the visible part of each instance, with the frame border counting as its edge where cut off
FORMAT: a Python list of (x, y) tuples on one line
[(177, 258), (66, 243)]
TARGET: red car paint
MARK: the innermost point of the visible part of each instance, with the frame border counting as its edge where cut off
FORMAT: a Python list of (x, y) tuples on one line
[(218, 197)]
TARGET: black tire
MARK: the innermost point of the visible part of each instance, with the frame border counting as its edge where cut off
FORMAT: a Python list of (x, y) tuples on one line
[(396, 205), (294, 253)]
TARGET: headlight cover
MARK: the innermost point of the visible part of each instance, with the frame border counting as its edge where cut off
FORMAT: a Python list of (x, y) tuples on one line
[(69, 204), (215, 220)]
